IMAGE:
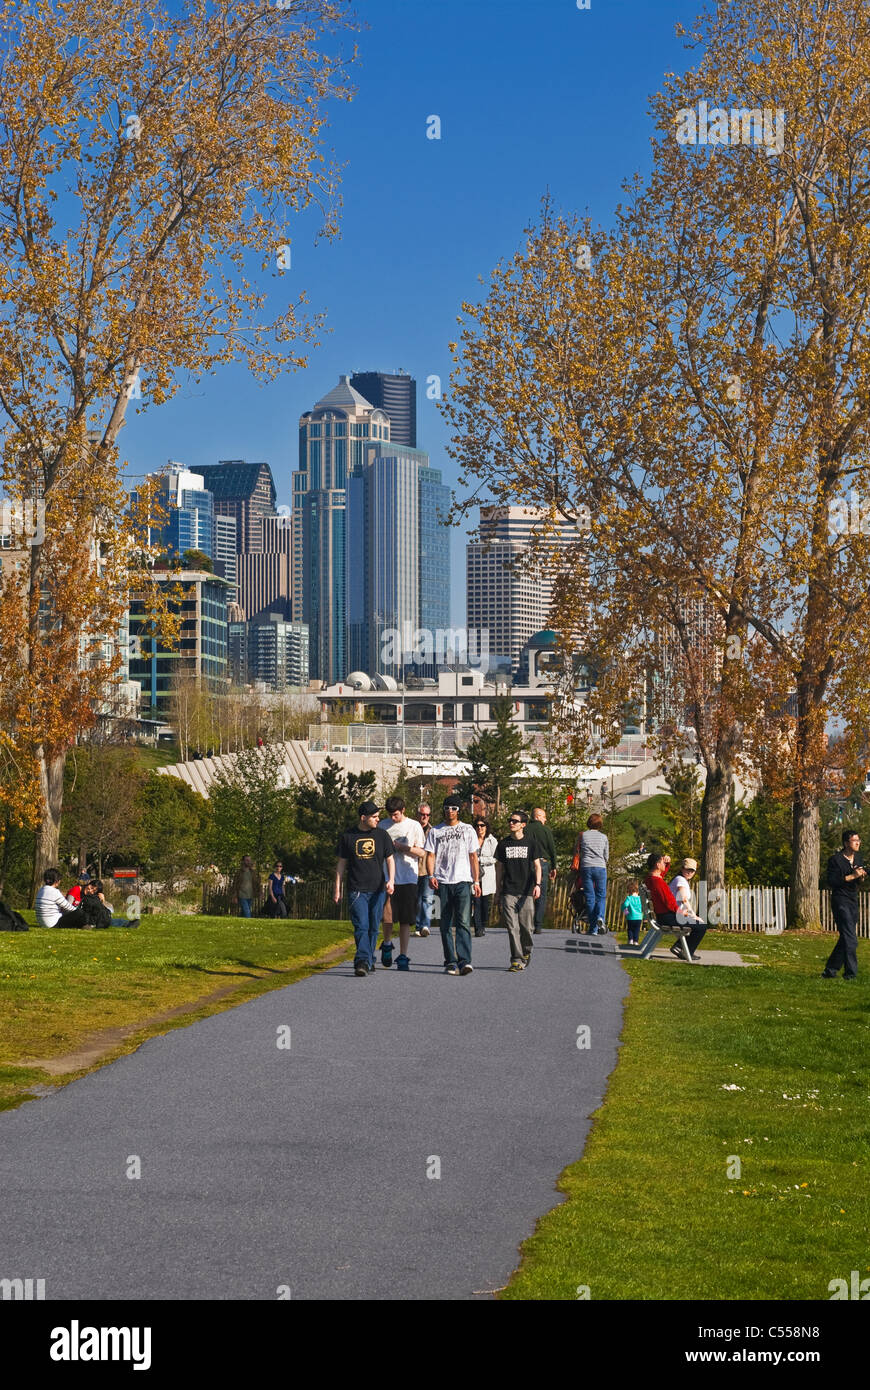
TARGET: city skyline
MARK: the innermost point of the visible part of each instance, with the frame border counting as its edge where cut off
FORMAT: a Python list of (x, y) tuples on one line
[(392, 300)]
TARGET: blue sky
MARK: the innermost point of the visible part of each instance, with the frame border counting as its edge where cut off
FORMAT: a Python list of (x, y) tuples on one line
[(532, 94)]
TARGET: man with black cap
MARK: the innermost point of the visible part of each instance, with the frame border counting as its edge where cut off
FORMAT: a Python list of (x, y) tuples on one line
[(452, 865), (364, 853)]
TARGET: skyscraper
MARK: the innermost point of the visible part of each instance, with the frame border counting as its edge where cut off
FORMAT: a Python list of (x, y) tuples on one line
[(396, 394), (507, 594), (245, 491), (398, 559), (188, 520), (332, 440), (225, 551)]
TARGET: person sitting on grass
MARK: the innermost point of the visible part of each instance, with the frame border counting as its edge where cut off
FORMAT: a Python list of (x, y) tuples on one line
[(53, 908), (97, 912), (75, 893), (666, 907)]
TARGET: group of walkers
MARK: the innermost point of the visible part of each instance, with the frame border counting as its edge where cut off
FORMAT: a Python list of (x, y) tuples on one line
[(84, 906), (399, 864), (396, 865)]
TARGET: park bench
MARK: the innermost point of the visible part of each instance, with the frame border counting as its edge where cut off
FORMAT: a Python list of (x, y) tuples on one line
[(655, 930)]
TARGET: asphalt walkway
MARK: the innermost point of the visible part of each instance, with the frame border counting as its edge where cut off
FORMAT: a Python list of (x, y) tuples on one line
[(313, 1168)]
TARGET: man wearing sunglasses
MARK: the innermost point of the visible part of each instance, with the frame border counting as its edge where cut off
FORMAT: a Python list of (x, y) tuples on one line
[(518, 885), (452, 863)]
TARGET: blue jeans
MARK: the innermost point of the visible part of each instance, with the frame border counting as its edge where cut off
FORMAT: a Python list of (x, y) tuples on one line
[(594, 883), (244, 907), (425, 899), (456, 913), (365, 914)]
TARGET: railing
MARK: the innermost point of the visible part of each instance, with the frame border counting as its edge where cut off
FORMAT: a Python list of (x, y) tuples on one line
[(440, 740)]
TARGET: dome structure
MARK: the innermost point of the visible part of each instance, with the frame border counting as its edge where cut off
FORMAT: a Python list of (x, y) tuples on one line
[(358, 680)]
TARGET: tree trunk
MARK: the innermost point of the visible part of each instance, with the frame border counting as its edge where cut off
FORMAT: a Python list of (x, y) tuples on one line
[(714, 818), (48, 835), (803, 899)]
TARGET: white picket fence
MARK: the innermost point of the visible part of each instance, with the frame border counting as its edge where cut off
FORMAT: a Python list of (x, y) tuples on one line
[(758, 909)]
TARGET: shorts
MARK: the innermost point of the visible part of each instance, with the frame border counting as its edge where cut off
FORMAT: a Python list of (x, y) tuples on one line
[(404, 903)]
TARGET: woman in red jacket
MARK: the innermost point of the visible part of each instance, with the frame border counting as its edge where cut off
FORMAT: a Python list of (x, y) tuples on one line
[(665, 905)]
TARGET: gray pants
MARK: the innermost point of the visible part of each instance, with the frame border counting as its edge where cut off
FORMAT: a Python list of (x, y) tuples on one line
[(518, 913)]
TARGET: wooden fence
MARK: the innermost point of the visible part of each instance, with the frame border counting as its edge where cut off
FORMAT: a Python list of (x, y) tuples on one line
[(306, 902), (755, 909)]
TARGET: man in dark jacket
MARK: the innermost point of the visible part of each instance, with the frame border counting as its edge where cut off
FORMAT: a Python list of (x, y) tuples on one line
[(845, 872), (541, 835)]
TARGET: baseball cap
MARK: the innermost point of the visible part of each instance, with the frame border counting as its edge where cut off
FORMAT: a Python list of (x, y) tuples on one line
[(369, 808), (690, 863)]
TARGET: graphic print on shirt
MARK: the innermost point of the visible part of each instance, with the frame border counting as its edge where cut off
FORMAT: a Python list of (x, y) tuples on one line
[(451, 856), (365, 848)]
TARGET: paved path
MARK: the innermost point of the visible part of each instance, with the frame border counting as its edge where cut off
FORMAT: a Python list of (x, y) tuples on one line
[(307, 1167)]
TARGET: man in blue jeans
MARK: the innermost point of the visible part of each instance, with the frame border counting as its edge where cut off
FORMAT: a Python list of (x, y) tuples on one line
[(363, 853), (452, 865)]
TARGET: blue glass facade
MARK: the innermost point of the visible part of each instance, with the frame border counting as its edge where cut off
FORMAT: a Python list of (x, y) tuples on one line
[(434, 551)]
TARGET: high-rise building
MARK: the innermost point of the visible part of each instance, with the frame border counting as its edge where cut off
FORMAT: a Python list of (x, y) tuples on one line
[(188, 512), (332, 440), (277, 652), (397, 558), (202, 649), (264, 584), (225, 551), (671, 681), (245, 491), (396, 394), (508, 594), (434, 551)]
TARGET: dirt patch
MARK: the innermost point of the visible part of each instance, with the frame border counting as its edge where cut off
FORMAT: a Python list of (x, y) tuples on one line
[(100, 1044)]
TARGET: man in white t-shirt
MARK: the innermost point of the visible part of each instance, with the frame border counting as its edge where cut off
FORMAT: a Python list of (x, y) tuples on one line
[(52, 905), (454, 871), (407, 836)]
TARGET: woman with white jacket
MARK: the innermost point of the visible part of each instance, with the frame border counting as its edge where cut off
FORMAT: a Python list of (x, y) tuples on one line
[(487, 845)]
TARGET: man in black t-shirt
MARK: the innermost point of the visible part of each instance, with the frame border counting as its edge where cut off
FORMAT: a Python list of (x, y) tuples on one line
[(845, 873), (363, 853), (518, 885)]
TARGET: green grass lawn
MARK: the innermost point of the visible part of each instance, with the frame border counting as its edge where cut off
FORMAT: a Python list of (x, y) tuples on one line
[(766, 1065), (59, 988)]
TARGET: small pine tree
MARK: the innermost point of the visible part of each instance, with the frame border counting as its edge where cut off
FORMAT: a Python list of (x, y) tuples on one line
[(495, 757)]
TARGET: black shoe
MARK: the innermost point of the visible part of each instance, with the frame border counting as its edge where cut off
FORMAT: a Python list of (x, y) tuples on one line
[(527, 958), (361, 969), (537, 931), (826, 976), (675, 951), (480, 933)]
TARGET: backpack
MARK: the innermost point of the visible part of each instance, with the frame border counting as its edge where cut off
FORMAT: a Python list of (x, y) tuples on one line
[(10, 920)]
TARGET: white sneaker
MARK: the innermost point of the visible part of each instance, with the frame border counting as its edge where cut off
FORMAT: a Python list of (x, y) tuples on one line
[(424, 931), (467, 969)]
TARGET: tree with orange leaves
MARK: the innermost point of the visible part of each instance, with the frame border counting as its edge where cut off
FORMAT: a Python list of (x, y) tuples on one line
[(694, 388), (178, 144)]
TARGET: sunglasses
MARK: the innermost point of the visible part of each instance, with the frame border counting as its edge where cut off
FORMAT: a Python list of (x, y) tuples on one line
[(514, 820)]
